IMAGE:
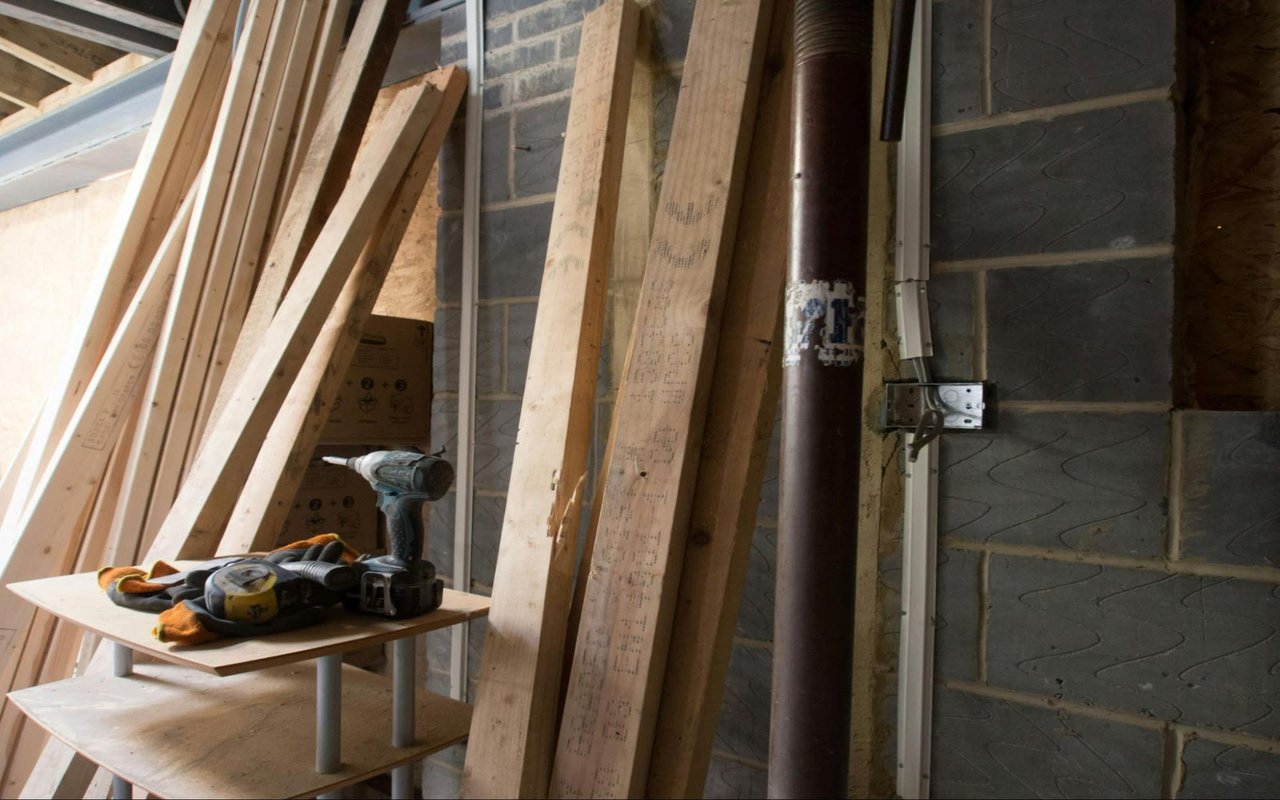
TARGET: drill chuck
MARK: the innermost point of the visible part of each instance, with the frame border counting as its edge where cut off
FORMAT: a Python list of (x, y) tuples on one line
[(402, 471)]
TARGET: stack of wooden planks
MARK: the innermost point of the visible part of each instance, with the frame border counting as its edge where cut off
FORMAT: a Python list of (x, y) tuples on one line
[(610, 687), (259, 224)]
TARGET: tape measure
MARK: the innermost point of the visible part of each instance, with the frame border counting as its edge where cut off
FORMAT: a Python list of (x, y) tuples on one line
[(244, 592)]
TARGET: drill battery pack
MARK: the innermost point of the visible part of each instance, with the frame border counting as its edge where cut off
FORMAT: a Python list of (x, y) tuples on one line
[(397, 594)]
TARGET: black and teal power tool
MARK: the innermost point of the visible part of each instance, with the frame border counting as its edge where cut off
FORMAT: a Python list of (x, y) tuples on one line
[(401, 583)]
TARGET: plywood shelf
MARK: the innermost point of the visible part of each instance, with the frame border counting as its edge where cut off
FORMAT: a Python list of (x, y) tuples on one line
[(77, 599), (174, 732)]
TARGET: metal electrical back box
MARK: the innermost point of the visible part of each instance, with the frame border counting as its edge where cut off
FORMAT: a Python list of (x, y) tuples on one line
[(386, 399)]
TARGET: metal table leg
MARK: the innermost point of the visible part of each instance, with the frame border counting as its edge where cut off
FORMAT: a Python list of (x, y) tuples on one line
[(402, 711), (121, 667), (329, 716)]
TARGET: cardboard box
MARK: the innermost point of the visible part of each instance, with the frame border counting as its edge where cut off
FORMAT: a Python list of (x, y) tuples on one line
[(335, 499), (386, 399)]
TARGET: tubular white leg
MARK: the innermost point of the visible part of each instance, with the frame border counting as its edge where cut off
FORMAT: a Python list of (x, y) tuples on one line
[(329, 716), (121, 660), (402, 711), (121, 667)]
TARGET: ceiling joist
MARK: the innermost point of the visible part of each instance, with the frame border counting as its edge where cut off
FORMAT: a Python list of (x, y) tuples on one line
[(77, 19), (24, 84), (68, 57)]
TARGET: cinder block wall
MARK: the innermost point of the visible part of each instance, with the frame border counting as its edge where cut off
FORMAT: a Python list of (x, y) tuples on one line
[(530, 53), (1109, 585)]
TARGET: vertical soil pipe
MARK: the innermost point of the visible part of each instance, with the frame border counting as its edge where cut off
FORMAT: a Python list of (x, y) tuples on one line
[(822, 386)]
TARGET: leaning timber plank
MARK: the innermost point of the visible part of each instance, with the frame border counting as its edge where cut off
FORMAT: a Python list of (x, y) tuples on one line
[(199, 514), (247, 123), (25, 84), (735, 444), (513, 733), (320, 69), (68, 57), (62, 646), (155, 187), (49, 526), (328, 161), (636, 197), (278, 470), (280, 119), (606, 736), (197, 298)]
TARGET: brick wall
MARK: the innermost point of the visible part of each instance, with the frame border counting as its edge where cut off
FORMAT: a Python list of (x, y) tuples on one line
[(529, 62), (1109, 578)]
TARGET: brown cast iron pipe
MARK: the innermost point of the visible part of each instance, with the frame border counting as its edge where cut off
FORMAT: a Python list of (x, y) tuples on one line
[(822, 390)]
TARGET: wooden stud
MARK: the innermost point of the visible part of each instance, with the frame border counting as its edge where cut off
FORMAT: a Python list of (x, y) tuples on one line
[(324, 171), (735, 445), (606, 735), (510, 749), (199, 514), (278, 470), (24, 84), (70, 58), (880, 482)]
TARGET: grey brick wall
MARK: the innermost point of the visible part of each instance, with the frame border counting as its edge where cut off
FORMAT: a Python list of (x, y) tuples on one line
[(1109, 576), (531, 48)]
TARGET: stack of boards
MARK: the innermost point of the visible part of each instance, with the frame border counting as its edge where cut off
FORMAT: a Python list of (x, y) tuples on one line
[(258, 226), (610, 686)]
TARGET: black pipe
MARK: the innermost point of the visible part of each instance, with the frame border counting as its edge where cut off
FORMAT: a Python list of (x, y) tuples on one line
[(822, 386), (895, 81)]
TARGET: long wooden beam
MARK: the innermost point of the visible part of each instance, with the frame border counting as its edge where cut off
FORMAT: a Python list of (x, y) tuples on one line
[(513, 727), (278, 470), (68, 57), (200, 512), (735, 445), (606, 736)]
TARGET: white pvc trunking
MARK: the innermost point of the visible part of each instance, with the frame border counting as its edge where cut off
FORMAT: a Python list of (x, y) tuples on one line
[(920, 513)]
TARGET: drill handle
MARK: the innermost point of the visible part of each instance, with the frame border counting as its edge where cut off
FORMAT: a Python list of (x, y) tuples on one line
[(403, 513)]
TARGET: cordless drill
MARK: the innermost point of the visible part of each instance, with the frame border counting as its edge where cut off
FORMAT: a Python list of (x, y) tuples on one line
[(401, 583)]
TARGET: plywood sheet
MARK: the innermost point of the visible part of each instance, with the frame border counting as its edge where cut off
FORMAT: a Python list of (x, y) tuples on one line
[(176, 733), (78, 599), (51, 249)]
